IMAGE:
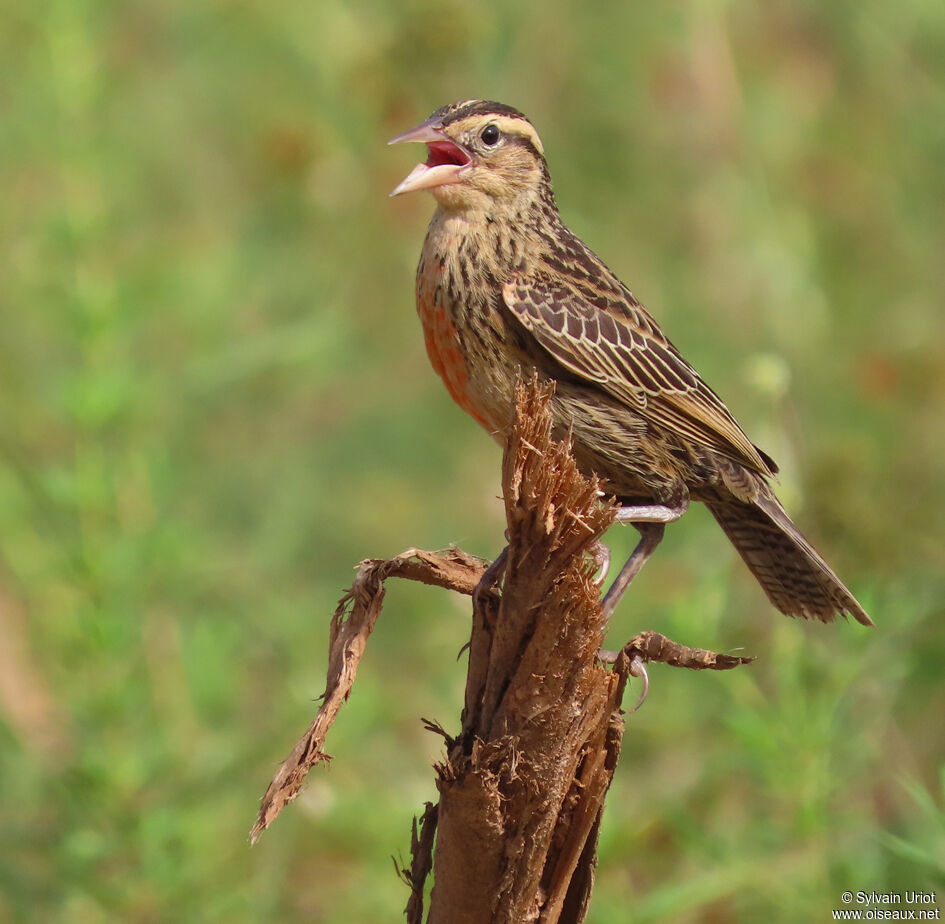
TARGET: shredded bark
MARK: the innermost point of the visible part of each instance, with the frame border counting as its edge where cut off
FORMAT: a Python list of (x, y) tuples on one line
[(421, 853)]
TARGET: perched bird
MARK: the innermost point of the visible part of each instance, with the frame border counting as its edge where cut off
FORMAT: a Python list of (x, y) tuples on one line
[(504, 286)]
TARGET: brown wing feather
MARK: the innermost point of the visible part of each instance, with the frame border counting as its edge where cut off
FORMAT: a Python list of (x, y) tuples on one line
[(617, 345)]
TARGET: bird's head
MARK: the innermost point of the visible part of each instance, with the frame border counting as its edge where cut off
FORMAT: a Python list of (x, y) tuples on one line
[(483, 156)]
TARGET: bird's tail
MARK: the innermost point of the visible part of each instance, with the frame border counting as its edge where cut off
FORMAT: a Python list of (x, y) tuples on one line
[(791, 572)]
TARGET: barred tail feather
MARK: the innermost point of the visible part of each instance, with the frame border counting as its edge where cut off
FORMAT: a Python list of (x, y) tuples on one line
[(791, 572)]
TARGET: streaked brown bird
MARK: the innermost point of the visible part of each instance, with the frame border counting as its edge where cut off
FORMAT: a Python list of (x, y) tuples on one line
[(504, 286)]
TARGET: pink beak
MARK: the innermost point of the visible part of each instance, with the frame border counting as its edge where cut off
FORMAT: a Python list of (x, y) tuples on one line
[(446, 162)]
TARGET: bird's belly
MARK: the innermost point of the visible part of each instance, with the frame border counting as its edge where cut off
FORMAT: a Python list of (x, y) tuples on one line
[(465, 333), (446, 356)]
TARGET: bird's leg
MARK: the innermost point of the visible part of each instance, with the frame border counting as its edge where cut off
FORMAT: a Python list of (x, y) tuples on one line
[(642, 514), (650, 521), (652, 513), (650, 536)]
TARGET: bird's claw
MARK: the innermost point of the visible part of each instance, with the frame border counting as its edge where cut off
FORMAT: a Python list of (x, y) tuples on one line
[(601, 555), (638, 669)]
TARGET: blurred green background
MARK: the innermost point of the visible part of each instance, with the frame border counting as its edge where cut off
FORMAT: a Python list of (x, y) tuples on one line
[(214, 400)]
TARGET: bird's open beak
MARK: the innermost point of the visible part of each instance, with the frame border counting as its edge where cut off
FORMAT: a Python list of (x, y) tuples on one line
[(446, 161)]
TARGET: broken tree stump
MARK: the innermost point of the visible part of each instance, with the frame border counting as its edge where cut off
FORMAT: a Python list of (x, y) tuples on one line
[(522, 786)]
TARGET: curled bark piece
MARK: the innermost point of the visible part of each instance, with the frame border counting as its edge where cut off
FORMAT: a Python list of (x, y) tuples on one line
[(351, 625)]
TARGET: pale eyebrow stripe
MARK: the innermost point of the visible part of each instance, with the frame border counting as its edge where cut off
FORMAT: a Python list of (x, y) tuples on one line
[(520, 127)]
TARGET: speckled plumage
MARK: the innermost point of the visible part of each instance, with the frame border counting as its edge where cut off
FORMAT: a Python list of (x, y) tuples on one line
[(504, 286)]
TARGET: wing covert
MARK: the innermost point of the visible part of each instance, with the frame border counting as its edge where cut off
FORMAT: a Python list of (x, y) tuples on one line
[(616, 345)]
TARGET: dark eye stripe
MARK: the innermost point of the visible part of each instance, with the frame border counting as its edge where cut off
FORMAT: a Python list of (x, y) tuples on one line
[(521, 141)]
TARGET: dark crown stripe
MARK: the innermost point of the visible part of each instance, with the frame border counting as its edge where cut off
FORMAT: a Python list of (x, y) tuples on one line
[(456, 111)]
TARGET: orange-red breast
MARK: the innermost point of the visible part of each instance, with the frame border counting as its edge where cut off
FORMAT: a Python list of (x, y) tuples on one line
[(504, 286)]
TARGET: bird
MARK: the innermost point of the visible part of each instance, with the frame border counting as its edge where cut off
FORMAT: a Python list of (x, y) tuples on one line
[(504, 287)]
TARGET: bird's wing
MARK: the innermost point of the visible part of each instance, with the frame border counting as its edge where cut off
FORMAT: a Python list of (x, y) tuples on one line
[(614, 343)]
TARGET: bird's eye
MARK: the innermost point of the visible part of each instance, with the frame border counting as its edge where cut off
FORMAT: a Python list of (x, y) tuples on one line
[(490, 134)]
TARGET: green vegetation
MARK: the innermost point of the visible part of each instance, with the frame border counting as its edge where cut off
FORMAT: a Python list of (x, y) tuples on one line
[(214, 400)]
